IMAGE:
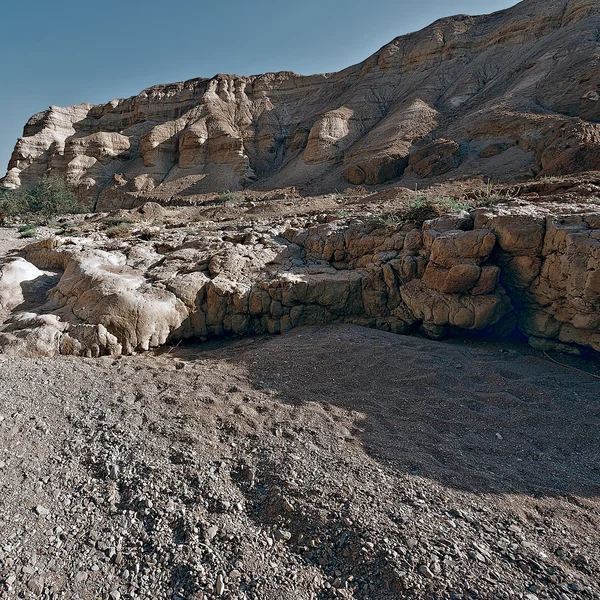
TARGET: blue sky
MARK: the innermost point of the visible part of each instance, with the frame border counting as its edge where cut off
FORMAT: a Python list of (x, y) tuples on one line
[(71, 51)]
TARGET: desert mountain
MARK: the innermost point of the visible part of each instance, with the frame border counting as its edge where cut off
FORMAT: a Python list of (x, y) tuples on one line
[(509, 95)]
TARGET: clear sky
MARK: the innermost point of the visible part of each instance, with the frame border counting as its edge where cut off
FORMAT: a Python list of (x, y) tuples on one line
[(71, 51)]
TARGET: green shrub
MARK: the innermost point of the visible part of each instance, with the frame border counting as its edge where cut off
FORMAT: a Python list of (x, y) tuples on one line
[(67, 228), (491, 195), (385, 219), (232, 197), (50, 198), (429, 207), (13, 203), (27, 231), (120, 230)]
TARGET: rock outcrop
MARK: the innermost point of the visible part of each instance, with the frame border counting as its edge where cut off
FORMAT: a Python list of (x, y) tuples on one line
[(511, 94), (531, 267)]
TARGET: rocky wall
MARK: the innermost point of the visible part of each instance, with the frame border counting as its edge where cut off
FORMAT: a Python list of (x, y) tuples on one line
[(497, 270)]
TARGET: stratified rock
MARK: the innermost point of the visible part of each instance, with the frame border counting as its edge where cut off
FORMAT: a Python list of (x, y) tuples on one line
[(534, 266), (512, 94), (436, 158)]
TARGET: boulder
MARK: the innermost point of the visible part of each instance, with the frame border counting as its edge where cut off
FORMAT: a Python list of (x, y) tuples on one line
[(436, 158)]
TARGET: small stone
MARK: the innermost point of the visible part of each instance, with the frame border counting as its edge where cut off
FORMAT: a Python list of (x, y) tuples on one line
[(282, 536), (179, 365), (425, 571), (115, 595), (42, 510), (81, 576), (212, 532), (220, 586), (36, 585)]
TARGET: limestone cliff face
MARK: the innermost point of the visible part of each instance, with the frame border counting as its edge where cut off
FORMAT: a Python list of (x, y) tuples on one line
[(511, 94)]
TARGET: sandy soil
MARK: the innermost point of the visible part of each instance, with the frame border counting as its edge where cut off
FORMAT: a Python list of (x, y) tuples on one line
[(328, 462)]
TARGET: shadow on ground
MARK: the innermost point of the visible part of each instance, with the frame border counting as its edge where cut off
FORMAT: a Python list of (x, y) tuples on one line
[(482, 418)]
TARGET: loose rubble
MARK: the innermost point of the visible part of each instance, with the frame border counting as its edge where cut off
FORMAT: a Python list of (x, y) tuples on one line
[(334, 462)]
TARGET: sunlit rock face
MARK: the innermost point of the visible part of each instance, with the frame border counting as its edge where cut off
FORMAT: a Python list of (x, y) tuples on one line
[(519, 266), (507, 95)]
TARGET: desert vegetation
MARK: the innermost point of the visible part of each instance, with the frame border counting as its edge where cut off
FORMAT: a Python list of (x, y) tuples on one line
[(51, 198)]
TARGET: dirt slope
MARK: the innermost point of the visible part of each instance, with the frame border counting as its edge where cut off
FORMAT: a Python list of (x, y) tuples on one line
[(327, 462)]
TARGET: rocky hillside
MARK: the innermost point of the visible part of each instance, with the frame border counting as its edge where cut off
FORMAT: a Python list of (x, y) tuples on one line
[(513, 94)]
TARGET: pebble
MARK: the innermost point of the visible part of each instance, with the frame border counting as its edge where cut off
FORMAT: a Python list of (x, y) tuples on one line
[(282, 536), (425, 571), (220, 586), (36, 585)]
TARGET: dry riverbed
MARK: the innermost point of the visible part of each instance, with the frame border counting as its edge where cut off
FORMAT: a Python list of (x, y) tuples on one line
[(328, 462)]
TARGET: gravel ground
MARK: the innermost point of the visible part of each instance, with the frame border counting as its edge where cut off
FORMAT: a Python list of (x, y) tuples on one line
[(328, 462)]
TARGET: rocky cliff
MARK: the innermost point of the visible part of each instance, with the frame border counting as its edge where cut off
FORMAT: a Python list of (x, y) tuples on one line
[(508, 95), (525, 266)]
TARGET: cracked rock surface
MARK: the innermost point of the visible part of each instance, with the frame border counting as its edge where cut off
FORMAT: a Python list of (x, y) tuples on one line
[(518, 266)]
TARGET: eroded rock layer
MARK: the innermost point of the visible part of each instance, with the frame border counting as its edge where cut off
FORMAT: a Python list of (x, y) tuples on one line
[(531, 267), (511, 94)]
